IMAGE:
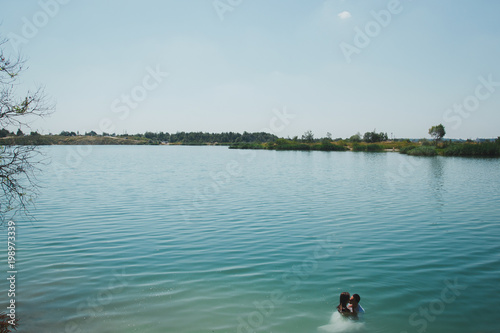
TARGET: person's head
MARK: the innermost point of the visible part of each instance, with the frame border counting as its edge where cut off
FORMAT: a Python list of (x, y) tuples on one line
[(344, 298), (354, 300)]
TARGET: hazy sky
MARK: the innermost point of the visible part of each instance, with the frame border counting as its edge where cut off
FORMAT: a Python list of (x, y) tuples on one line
[(284, 66)]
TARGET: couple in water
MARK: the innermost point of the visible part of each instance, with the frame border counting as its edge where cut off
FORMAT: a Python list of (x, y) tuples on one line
[(349, 305)]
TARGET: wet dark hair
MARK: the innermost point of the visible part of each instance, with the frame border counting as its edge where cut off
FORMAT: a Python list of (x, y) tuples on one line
[(356, 297), (344, 299)]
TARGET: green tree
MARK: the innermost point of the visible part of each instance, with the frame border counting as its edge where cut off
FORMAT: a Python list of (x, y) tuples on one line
[(308, 136), (372, 137), (4, 133), (437, 132), (355, 138)]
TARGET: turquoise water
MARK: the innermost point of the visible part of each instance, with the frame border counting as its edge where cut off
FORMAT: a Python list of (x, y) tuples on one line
[(207, 239)]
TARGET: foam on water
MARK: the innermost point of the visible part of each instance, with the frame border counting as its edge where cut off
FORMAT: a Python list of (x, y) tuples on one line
[(339, 324)]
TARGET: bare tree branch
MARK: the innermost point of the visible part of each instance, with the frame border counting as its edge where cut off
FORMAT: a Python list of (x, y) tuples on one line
[(18, 164), (9, 69), (18, 181)]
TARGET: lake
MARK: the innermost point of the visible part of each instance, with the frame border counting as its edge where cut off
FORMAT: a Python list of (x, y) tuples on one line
[(208, 239)]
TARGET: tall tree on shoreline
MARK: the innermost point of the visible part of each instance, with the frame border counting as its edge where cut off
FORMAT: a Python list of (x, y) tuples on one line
[(17, 163), (437, 132), (308, 136)]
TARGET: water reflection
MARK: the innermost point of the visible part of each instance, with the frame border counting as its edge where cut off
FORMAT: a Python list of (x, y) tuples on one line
[(436, 181)]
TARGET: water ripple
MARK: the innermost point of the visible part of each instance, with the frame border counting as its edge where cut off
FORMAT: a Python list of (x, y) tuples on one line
[(162, 246)]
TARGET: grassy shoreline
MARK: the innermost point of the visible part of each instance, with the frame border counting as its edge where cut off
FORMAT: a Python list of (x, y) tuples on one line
[(60, 140), (425, 148)]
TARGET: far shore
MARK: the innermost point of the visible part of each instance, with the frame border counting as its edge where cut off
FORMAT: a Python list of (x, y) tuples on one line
[(423, 147)]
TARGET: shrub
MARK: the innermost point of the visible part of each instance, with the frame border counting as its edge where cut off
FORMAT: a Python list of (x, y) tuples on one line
[(358, 147), (426, 142), (328, 146), (374, 148), (367, 147), (406, 149), (294, 146), (246, 146), (423, 151), (487, 149)]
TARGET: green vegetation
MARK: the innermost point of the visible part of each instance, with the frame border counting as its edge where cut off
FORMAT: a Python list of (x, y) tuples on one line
[(372, 137), (461, 149), (148, 138), (327, 145), (437, 132), (284, 144), (355, 138), (406, 149), (43, 140), (485, 149), (370, 142), (201, 138), (371, 147), (247, 146), (308, 137), (422, 151)]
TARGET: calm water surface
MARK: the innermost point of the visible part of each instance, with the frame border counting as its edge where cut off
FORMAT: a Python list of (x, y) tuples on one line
[(207, 239)]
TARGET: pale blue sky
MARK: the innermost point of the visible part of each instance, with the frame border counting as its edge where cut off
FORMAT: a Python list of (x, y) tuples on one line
[(235, 70)]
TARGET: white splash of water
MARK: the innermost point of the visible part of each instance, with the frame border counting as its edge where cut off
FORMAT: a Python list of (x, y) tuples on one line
[(339, 324)]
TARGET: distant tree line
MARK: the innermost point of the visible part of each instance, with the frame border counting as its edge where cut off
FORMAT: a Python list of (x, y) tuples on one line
[(355, 141), (224, 137), (204, 137), (372, 137), (4, 133), (179, 137)]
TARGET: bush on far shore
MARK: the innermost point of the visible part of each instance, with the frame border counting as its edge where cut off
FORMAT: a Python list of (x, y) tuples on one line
[(485, 149), (423, 151), (406, 150), (371, 147)]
